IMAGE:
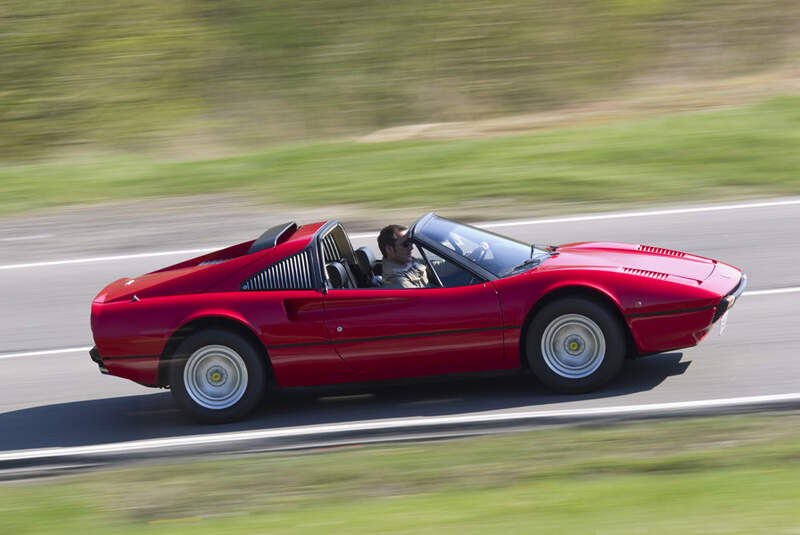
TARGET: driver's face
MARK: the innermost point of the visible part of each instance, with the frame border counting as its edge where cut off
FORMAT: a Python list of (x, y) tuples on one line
[(400, 251)]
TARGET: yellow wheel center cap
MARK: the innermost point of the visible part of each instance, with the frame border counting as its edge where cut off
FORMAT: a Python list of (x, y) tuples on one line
[(216, 377), (573, 346)]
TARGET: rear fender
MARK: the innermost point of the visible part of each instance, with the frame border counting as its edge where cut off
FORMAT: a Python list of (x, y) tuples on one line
[(204, 320)]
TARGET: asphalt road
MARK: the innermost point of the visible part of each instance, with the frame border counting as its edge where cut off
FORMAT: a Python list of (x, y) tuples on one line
[(52, 400)]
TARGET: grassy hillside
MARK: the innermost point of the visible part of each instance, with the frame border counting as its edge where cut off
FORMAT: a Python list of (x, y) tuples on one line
[(703, 155), (199, 77), (729, 475)]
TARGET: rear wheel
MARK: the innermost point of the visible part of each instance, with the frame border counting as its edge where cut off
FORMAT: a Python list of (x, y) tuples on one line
[(575, 345), (217, 376)]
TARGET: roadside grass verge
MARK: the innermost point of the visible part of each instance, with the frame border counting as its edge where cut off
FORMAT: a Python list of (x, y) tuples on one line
[(187, 76), (732, 474), (747, 151)]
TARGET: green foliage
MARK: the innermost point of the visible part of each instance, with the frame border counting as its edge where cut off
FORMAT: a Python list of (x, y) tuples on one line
[(739, 152), (737, 474), (126, 76)]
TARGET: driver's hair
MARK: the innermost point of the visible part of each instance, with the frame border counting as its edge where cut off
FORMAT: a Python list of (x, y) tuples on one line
[(386, 236)]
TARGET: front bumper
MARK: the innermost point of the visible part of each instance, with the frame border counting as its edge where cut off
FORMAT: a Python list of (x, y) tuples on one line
[(729, 299)]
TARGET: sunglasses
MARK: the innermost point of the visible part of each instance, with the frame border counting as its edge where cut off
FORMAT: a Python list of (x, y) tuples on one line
[(404, 243)]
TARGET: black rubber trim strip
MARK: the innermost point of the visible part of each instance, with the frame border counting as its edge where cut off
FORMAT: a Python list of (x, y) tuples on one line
[(723, 306), (396, 336), (133, 357), (668, 312)]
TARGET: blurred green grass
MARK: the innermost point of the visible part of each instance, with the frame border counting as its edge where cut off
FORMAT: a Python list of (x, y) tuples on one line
[(732, 474), (744, 151), (187, 77)]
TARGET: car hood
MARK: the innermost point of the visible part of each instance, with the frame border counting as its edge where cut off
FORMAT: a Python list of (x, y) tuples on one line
[(644, 260)]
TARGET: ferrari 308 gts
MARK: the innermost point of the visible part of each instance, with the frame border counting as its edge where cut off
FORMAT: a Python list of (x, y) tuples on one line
[(299, 307)]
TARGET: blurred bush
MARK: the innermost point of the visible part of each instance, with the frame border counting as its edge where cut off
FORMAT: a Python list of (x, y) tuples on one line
[(128, 76)]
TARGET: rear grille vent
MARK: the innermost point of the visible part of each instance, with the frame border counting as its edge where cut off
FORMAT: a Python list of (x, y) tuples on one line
[(293, 273), (658, 250), (645, 273), (329, 249)]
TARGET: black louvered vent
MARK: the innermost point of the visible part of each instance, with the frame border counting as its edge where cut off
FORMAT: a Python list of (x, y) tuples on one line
[(645, 273), (329, 250), (661, 250), (293, 273)]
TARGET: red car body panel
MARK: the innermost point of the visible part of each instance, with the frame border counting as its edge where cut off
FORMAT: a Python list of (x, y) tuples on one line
[(667, 299), (422, 331)]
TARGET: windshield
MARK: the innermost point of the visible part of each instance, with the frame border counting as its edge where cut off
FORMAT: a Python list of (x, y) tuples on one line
[(497, 254)]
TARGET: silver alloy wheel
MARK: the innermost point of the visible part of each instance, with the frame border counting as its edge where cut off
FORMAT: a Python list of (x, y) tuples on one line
[(215, 377), (573, 346)]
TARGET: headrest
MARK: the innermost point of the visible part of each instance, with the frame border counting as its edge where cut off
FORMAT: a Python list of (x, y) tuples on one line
[(365, 259), (336, 274)]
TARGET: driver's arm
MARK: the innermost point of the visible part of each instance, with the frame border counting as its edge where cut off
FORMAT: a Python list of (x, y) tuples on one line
[(479, 252)]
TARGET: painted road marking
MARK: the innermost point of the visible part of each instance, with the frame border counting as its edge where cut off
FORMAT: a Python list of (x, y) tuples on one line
[(773, 291), (46, 352), (490, 224), (26, 238), (109, 258), (650, 213), (428, 422), (85, 349)]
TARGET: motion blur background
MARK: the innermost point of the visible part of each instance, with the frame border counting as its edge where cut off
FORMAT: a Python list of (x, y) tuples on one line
[(100, 99), (145, 125)]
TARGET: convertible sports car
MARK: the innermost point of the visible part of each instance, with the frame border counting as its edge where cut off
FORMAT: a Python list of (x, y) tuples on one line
[(299, 307)]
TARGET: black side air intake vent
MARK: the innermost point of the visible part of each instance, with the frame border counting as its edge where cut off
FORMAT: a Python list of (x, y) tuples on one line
[(329, 249), (293, 273)]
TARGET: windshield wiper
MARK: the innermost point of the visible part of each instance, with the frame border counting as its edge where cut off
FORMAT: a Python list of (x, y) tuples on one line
[(530, 261), (533, 262)]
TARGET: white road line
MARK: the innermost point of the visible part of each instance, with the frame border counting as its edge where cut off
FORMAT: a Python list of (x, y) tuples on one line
[(400, 423), (46, 352), (489, 224), (363, 235), (108, 258), (85, 349), (25, 238), (773, 291), (624, 215)]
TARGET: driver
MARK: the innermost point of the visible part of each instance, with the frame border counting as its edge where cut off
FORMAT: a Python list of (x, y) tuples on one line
[(400, 269)]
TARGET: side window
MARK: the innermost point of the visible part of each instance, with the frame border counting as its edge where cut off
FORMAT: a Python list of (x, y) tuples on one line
[(448, 272)]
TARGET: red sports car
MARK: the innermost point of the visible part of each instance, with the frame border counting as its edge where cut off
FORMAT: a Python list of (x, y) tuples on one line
[(298, 307)]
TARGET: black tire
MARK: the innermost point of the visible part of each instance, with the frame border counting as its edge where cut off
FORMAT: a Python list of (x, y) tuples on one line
[(575, 345), (226, 376)]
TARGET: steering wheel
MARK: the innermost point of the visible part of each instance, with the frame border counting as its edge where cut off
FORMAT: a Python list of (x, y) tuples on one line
[(481, 254), (454, 240)]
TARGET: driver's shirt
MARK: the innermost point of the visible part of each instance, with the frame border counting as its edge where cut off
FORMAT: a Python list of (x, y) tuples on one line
[(411, 275)]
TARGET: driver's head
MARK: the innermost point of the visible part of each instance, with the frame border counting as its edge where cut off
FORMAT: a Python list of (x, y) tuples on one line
[(394, 245)]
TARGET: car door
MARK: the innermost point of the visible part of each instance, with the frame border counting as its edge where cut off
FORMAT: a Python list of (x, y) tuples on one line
[(391, 333)]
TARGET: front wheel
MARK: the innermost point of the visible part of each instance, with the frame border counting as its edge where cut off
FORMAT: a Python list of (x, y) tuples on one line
[(217, 376), (575, 345)]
